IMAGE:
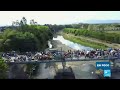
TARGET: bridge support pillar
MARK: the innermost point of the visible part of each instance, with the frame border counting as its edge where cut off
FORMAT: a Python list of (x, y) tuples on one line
[(64, 65)]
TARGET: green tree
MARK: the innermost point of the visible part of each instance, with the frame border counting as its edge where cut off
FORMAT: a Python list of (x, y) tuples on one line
[(111, 37), (3, 69), (25, 37)]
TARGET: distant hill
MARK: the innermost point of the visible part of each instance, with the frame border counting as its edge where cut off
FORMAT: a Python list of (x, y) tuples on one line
[(101, 21)]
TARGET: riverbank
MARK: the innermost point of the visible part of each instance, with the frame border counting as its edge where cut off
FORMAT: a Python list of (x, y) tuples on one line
[(84, 41), (88, 41)]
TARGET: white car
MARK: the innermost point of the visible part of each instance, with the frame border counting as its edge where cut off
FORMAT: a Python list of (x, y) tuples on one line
[(11, 60)]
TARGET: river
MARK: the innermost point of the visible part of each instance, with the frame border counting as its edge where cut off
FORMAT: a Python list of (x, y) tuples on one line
[(71, 44)]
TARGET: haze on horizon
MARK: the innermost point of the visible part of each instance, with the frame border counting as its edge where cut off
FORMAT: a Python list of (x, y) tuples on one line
[(57, 17)]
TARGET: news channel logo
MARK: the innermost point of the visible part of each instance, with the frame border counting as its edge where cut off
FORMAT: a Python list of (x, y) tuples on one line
[(105, 66), (107, 73)]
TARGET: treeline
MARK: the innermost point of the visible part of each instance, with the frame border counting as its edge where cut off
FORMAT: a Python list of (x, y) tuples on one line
[(24, 37), (110, 37), (103, 27), (98, 27), (56, 28)]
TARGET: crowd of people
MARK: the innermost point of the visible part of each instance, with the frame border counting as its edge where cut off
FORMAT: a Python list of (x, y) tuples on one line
[(14, 56), (94, 53), (29, 56)]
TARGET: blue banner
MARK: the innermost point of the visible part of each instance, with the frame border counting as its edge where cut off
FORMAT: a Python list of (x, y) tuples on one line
[(103, 65)]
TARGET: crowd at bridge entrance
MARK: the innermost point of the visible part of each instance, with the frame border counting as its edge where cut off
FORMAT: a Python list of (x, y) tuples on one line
[(13, 56)]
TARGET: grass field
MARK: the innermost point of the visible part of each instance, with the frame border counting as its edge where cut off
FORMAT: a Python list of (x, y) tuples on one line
[(113, 32)]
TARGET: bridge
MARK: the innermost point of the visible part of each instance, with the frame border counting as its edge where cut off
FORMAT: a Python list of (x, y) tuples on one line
[(62, 60)]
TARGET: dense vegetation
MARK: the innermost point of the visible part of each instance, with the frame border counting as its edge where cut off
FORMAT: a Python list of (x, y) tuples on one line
[(24, 37), (112, 26), (3, 69), (55, 28), (111, 37), (97, 26)]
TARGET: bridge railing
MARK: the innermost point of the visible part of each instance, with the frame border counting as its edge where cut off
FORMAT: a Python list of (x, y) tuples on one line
[(72, 57), (63, 60)]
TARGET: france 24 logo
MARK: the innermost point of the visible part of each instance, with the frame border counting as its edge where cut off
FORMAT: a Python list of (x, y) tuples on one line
[(107, 73)]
